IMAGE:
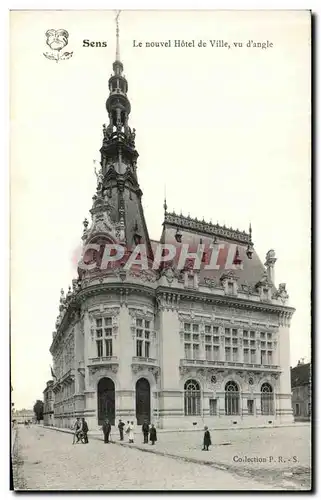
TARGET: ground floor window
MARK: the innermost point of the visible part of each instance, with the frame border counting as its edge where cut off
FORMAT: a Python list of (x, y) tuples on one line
[(192, 398), (232, 399), (213, 406), (297, 409), (267, 400)]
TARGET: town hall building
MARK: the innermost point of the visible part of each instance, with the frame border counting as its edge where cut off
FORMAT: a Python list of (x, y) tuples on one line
[(181, 347)]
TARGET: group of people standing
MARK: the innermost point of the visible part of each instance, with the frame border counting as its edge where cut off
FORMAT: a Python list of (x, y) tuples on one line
[(148, 431), (80, 427)]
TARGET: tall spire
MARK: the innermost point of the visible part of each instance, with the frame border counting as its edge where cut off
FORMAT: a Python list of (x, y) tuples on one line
[(117, 36)]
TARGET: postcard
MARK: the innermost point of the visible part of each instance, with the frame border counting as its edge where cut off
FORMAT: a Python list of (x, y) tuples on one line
[(160, 166)]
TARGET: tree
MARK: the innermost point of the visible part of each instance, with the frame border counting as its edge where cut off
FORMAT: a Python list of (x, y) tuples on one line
[(38, 410)]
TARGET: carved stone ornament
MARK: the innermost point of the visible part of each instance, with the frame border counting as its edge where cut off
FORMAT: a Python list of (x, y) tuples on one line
[(144, 313), (282, 293), (169, 274), (228, 275), (144, 275), (210, 282), (184, 370), (264, 281), (97, 372)]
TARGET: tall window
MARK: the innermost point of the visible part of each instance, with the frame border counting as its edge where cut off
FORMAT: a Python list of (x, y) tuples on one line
[(212, 343), (246, 358), (142, 338), (191, 341), (192, 398), (267, 400), (269, 358), (253, 356), (232, 399), (103, 334), (250, 407), (235, 354)]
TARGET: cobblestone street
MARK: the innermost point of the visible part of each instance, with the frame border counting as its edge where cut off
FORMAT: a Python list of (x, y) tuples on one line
[(47, 460)]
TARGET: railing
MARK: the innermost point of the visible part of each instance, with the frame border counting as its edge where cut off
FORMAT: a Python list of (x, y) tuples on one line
[(139, 359), (228, 364), (104, 360)]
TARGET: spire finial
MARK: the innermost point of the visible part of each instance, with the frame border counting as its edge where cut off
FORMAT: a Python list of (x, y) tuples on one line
[(250, 231), (117, 36), (165, 204)]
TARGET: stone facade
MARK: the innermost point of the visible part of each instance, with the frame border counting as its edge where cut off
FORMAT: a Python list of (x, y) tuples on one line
[(180, 347), (301, 391), (22, 416), (48, 404)]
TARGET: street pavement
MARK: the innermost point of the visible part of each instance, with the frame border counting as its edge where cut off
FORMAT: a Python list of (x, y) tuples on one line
[(276, 455), (46, 460)]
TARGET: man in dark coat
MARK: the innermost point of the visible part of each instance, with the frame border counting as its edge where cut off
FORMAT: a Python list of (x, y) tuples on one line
[(145, 429), (106, 430), (84, 428), (153, 434), (207, 439), (121, 426)]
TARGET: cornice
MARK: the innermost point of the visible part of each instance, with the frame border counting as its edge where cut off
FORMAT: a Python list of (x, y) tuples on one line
[(197, 226), (226, 300)]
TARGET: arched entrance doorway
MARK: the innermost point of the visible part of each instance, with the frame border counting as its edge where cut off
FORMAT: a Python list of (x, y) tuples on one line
[(106, 400), (142, 401)]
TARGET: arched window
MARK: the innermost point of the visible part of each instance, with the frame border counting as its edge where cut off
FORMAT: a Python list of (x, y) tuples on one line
[(232, 399), (267, 399), (192, 398)]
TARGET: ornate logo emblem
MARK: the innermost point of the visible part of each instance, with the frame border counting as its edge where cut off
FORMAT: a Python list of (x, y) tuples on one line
[(57, 40)]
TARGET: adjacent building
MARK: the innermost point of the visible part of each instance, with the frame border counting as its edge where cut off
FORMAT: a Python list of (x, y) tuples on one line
[(301, 390), (182, 347), (22, 416), (48, 404)]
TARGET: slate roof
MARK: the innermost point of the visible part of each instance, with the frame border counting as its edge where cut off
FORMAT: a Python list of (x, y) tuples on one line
[(253, 269)]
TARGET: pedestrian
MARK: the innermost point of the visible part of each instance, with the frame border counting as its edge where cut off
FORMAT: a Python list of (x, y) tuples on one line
[(207, 439), (121, 426), (106, 430), (131, 432), (77, 429), (84, 428), (145, 430), (153, 434)]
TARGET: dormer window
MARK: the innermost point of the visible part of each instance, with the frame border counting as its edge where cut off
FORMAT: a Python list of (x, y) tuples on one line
[(230, 287), (265, 293), (137, 239), (178, 236)]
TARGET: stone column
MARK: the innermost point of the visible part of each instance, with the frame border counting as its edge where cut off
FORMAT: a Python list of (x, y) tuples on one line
[(171, 404), (125, 401), (270, 261), (222, 344), (285, 412)]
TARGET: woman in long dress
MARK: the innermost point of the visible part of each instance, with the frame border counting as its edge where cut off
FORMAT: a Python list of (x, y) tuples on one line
[(131, 432)]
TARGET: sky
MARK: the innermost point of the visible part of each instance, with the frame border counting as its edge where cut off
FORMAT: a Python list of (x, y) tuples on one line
[(227, 131)]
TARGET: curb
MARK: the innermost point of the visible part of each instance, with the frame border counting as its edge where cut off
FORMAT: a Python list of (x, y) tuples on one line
[(161, 431)]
